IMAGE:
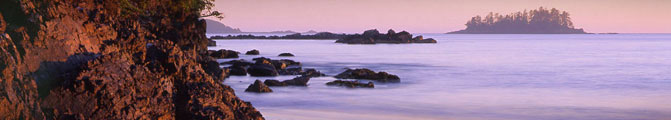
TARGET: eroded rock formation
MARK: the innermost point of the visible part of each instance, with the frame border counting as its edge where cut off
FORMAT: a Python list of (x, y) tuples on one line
[(104, 59)]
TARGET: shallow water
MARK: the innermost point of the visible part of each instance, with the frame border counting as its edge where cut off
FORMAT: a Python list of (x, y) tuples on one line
[(480, 77)]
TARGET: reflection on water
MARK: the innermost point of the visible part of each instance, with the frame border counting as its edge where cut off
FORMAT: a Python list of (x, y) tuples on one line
[(489, 77)]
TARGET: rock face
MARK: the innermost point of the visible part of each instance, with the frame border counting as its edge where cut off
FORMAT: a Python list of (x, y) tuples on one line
[(369, 75), (252, 52), (258, 87), (286, 55), (351, 84), (374, 37), (222, 54), (98, 60)]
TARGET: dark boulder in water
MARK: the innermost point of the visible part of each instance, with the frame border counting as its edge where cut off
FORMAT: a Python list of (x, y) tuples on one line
[(298, 81), (286, 55), (253, 52), (240, 62), (220, 54), (211, 42), (351, 84), (312, 73), (270, 82), (369, 75), (258, 87), (374, 37), (283, 66), (237, 70), (263, 69)]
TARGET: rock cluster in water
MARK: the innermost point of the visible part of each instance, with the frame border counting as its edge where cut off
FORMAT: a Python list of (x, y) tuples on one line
[(351, 84), (368, 75), (374, 37), (98, 60), (268, 67)]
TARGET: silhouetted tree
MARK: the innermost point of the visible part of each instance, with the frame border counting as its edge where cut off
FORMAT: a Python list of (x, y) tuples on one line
[(539, 21)]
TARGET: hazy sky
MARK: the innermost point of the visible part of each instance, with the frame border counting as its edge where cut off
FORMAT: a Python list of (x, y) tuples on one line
[(435, 16)]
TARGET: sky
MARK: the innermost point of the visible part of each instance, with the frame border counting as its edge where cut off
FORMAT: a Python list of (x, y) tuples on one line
[(435, 16)]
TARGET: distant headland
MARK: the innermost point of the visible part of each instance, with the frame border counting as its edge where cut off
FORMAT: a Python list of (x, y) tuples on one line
[(368, 37), (540, 21), (218, 27)]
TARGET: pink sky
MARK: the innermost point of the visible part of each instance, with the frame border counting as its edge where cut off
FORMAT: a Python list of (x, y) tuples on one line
[(435, 16)]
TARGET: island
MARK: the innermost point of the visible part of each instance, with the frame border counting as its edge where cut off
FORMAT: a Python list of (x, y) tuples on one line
[(374, 37), (540, 21)]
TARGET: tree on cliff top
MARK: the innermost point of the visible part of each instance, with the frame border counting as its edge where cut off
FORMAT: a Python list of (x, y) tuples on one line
[(145, 7)]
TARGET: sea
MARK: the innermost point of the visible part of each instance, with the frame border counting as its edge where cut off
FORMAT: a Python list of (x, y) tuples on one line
[(473, 77)]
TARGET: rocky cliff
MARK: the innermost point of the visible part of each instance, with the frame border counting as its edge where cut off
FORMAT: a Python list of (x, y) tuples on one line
[(109, 59)]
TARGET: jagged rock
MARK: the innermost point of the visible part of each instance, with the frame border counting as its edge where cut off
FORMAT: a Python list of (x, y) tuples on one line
[(258, 87), (220, 54), (374, 37), (286, 55), (368, 74), (252, 52), (351, 84)]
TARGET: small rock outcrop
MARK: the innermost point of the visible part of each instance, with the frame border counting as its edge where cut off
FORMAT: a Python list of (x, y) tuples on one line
[(270, 82), (374, 37), (298, 81), (264, 68), (369, 75), (222, 54), (211, 42), (258, 87), (312, 73), (252, 52), (351, 84), (286, 55)]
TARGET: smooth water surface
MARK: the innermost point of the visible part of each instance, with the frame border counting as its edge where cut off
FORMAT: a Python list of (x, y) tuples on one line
[(480, 77)]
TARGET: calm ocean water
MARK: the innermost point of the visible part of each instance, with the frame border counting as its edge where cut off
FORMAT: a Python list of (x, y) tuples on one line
[(479, 77)]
